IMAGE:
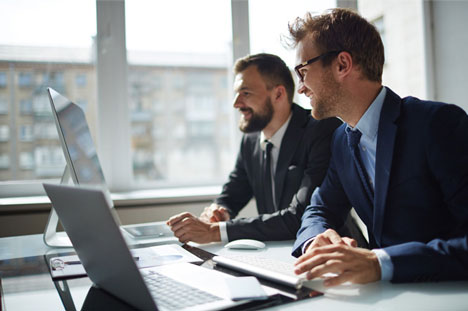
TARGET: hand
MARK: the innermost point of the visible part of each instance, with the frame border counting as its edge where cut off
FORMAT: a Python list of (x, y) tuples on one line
[(187, 227), (330, 236), (214, 213), (350, 264)]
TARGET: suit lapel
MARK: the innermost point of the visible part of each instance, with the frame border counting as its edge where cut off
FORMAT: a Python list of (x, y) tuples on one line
[(291, 139), (384, 154)]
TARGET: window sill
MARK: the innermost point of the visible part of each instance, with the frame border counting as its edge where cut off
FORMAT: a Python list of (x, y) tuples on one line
[(156, 197)]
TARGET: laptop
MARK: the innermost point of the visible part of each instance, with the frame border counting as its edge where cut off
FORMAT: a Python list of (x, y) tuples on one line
[(83, 166), (93, 229)]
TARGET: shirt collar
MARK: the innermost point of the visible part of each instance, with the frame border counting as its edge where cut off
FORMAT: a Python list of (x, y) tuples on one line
[(368, 125), (277, 137)]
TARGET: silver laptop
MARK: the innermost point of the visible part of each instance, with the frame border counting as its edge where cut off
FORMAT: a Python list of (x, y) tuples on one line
[(92, 226), (83, 166)]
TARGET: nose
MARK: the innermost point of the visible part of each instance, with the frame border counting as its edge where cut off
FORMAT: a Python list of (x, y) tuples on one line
[(237, 103), (301, 87)]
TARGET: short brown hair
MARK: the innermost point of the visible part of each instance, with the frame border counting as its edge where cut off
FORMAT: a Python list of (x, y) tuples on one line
[(272, 68), (343, 30)]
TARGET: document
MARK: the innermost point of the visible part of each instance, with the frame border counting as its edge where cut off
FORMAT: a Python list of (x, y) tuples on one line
[(65, 267)]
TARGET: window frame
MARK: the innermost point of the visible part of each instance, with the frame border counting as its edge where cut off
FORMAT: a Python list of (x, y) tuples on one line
[(112, 74)]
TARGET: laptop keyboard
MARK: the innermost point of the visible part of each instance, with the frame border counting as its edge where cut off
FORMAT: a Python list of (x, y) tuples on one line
[(170, 294), (267, 263), (267, 268)]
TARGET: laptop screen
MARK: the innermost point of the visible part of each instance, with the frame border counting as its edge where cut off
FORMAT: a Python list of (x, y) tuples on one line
[(77, 143)]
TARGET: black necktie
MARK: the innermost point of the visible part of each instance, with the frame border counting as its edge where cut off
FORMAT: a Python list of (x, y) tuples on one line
[(269, 202), (353, 140)]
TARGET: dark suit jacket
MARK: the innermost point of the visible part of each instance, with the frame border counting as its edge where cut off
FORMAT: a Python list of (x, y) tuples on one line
[(420, 211), (302, 163)]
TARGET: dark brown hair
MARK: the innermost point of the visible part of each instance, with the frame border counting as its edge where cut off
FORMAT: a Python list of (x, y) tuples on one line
[(343, 30), (272, 68)]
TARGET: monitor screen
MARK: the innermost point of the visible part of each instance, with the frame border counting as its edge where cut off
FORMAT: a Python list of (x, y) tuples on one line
[(77, 143)]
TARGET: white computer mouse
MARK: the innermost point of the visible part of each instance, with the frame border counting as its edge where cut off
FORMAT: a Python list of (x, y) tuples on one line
[(245, 244)]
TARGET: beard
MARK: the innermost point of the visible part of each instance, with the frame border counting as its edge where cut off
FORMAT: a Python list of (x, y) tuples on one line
[(327, 98), (258, 121)]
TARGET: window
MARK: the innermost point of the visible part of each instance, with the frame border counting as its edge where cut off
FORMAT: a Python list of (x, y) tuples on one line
[(81, 80), (36, 58), (26, 133), (25, 79), (177, 77), (4, 161), (3, 105), (266, 30), (4, 133), (26, 160), (26, 106), (3, 79)]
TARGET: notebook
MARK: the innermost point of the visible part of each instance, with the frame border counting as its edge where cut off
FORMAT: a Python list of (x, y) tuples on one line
[(89, 221)]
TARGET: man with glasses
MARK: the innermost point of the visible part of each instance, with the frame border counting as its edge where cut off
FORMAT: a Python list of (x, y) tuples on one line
[(284, 155), (402, 163)]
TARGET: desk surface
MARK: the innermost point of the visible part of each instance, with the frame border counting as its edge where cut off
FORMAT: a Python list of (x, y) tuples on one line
[(27, 285)]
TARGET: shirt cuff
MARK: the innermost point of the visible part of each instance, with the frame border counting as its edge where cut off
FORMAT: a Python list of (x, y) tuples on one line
[(306, 244), (386, 265), (223, 231)]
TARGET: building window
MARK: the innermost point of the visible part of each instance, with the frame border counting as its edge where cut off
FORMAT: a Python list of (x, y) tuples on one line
[(25, 79), (26, 160), (26, 106), (3, 105), (26, 133), (3, 79), (80, 80), (4, 161), (4, 133)]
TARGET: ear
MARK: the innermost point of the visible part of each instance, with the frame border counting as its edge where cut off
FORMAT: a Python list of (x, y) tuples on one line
[(344, 64), (279, 92)]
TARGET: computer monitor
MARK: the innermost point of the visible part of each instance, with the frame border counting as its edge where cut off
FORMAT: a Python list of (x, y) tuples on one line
[(77, 143), (83, 168), (82, 162)]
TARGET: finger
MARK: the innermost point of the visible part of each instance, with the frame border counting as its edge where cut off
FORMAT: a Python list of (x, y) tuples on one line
[(349, 241), (320, 240), (315, 261), (338, 280), (218, 215), (177, 218), (183, 223), (333, 236), (330, 266), (184, 238)]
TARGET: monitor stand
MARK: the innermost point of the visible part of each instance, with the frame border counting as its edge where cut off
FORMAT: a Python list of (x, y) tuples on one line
[(51, 237)]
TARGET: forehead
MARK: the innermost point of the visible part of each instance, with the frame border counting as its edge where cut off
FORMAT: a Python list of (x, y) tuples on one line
[(305, 50), (249, 78)]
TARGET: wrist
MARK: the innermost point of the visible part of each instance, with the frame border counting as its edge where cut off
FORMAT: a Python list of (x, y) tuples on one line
[(214, 232)]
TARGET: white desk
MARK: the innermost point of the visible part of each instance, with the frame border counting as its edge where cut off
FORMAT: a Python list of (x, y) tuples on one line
[(35, 291)]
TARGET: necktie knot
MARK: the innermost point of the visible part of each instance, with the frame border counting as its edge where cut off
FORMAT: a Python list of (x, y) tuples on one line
[(353, 137), (268, 146)]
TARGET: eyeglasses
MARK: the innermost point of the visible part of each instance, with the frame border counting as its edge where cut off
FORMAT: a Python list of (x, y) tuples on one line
[(298, 68)]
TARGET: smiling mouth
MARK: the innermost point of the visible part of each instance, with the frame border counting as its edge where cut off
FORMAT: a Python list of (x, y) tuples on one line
[(246, 112)]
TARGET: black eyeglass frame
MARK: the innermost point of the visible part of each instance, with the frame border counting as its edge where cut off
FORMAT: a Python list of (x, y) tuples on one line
[(313, 60)]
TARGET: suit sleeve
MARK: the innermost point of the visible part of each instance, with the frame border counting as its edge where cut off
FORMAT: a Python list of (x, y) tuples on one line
[(443, 258), (237, 191), (329, 207), (283, 224)]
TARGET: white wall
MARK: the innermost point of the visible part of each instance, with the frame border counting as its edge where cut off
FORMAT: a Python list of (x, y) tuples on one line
[(450, 47)]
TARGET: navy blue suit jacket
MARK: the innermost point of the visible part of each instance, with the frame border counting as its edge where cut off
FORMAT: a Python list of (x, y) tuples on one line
[(420, 211)]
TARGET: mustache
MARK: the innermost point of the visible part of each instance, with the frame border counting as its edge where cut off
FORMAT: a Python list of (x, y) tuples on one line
[(245, 109)]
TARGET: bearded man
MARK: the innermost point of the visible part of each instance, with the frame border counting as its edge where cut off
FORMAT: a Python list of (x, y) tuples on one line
[(283, 157)]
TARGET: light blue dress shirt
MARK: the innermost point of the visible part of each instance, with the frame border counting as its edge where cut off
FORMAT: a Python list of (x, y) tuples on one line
[(368, 125)]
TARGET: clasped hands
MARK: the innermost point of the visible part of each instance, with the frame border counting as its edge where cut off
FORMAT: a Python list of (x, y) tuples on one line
[(339, 258), (203, 229)]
